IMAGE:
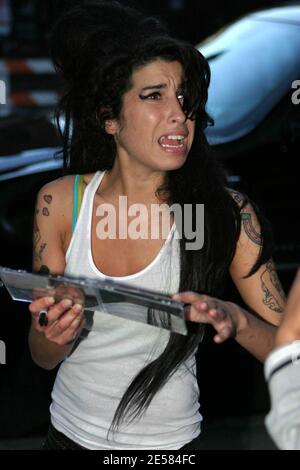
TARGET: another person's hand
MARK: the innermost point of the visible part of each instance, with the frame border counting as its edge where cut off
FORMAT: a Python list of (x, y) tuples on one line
[(289, 329), (64, 320), (225, 317)]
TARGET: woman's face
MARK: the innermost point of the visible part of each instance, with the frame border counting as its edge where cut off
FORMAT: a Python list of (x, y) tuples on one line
[(152, 131)]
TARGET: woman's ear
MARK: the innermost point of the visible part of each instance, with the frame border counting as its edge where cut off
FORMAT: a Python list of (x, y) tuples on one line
[(111, 126)]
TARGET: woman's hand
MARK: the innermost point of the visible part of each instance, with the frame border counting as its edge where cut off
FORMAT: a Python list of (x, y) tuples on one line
[(64, 320), (225, 317)]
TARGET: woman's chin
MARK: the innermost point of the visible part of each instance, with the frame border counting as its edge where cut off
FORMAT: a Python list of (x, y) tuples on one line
[(174, 163)]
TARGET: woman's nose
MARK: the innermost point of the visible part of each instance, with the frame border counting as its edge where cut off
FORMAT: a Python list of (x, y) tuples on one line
[(176, 113)]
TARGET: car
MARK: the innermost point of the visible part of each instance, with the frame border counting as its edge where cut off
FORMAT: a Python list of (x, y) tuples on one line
[(254, 100)]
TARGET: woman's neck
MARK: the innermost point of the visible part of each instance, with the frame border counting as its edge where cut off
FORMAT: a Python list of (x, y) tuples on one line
[(138, 185)]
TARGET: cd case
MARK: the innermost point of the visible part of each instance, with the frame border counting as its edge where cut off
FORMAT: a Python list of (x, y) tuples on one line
[(109, 296)]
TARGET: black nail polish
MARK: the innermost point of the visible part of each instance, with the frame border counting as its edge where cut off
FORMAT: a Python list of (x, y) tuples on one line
[(43, 319)]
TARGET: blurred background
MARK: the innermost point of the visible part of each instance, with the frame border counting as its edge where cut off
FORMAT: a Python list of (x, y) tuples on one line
[(253, 50)]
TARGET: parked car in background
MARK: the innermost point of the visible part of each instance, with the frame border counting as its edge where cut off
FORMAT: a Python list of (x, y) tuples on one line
[(255, 66)]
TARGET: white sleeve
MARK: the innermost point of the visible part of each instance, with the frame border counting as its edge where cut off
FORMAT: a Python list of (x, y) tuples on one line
[(282, 373)]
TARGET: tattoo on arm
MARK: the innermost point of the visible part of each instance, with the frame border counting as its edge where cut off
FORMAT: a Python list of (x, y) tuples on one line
[(48, 199), (36, 234), (254, 236), (39, 254), (237, 197), (274, 300), (36, 238), (246, 218), (38, 248)]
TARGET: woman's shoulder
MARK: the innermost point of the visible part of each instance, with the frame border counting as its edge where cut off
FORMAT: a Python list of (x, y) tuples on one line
[(64, 186), (240, 198), (55, 201), (246, 205), (60, 185)]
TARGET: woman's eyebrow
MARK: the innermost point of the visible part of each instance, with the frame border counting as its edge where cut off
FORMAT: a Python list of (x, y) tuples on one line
[(154, 87)]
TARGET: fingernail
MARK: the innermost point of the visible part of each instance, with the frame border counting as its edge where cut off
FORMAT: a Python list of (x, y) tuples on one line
[(50, 300), (43, 319), (77, 308), (67, 303)]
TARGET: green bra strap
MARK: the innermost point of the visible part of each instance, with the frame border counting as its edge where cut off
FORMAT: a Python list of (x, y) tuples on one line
[(77, 199)]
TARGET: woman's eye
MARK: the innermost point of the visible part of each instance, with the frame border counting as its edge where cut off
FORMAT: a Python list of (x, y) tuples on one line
[(153, 96)]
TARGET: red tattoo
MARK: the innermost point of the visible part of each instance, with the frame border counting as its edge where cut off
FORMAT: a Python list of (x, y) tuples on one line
[(249, 229), (48, 198)]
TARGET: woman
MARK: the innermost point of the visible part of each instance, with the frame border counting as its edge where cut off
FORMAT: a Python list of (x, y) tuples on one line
[(136, 99)]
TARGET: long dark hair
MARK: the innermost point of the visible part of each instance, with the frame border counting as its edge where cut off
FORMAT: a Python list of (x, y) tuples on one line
[(96, 48)]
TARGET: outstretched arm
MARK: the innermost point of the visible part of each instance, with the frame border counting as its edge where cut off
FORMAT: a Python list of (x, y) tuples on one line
[(230, 321), (262, 293)]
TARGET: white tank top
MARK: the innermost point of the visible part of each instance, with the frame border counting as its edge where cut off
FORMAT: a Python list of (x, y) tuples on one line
[(92, 380)]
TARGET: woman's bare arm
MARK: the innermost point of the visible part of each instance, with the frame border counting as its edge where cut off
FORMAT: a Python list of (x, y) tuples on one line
[(262, 291), (50, 344)]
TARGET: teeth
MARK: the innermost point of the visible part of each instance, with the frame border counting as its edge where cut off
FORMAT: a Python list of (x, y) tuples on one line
[(178, 139), (175, 137), (171, 146)]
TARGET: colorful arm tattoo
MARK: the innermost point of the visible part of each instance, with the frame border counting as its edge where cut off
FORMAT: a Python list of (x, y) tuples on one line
[(274, 296), (250, 231)]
